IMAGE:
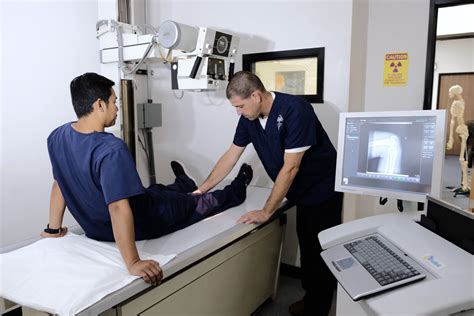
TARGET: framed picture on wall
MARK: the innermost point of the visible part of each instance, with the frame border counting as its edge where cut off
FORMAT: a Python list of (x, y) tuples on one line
[(466, 81), (298, 72)]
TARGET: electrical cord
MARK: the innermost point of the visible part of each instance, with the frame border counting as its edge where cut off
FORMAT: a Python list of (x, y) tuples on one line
[(140, 62), (144, 146), (178, 97)]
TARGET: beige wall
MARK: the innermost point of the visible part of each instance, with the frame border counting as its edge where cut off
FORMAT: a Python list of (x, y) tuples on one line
[(392, 26)]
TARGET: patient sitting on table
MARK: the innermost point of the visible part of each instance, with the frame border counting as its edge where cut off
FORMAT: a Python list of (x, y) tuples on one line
[(95, 177)]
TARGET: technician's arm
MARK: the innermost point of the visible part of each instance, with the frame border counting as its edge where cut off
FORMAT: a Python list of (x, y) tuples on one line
[(222, 168), (124, 234), (280, 188), (57, 205)]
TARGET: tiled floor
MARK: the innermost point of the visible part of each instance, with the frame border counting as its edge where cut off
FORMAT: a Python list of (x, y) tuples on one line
[(289, 291)]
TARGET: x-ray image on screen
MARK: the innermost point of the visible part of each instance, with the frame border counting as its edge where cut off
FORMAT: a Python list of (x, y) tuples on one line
[(384, 153), (397, 154), (388, 148)]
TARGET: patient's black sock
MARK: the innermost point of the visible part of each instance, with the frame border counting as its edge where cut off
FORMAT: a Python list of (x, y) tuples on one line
[(245, 174), (177, 168)]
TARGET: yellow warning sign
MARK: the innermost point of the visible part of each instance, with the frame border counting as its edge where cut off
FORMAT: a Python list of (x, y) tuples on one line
[(395, 70)]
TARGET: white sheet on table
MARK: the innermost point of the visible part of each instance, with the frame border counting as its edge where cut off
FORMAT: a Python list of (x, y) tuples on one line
[(65, 275)]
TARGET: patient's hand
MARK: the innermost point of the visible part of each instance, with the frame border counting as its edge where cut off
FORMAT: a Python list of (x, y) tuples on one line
[(149, 270), (196, 192), (254, 217), (62, 233)]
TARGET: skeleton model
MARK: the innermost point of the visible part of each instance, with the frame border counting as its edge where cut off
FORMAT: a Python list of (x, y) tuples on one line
[(457, 117)]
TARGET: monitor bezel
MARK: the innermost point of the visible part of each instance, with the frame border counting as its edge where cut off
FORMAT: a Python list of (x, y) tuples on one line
[(438, 160)]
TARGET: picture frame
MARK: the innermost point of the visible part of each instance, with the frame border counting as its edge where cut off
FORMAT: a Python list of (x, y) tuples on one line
[(298, 72), (466, 81)]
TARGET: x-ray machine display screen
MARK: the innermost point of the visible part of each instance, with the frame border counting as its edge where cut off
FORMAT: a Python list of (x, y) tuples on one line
[(391, 154)]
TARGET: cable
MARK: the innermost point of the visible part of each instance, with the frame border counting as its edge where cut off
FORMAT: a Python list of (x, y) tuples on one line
[(120, 48), (166, 59), (144, 147), (151, 159), (180, 97), (140, 62)]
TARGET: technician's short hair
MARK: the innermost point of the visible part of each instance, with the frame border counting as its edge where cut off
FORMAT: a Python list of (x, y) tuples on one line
[(243, 84), (86, 89)]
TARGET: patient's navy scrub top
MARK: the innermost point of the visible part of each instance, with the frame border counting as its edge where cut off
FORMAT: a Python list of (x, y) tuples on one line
[(96, 169), (292, 123)]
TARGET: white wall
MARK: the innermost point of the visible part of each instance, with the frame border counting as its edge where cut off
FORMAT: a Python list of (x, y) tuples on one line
[(2, 221), (452, 56), (358, 65), (455, 20), (45, 44), (199, 128)]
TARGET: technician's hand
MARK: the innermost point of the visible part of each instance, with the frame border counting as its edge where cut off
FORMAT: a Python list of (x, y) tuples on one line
[(254, 217), (196, 192), (62, 233), (149, 270)]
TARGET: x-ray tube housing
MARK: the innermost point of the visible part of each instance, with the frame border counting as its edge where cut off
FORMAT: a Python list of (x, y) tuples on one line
[(174, 35)]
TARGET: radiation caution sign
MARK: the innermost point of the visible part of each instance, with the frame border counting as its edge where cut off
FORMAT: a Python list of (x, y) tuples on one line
[(395, 69)]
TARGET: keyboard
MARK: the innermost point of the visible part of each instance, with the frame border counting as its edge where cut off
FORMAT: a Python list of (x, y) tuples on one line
[(371, 264), (380, 261)]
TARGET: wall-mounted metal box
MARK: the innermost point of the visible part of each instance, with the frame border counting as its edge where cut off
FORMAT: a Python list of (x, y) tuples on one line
[(148, 115)]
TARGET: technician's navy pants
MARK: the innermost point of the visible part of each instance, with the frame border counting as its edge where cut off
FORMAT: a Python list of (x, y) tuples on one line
[(317, 280)]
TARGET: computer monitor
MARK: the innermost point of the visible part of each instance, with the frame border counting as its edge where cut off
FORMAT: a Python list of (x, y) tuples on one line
[(396, 154)]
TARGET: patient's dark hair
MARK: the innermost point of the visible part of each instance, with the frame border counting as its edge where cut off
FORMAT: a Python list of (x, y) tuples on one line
[(243, 84), (86, 89)]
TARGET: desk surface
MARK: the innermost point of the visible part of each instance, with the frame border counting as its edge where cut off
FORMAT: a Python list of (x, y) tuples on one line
[(449, 288)]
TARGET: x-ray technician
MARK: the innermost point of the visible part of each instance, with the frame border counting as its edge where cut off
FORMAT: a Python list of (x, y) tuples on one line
[(299, 157)]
